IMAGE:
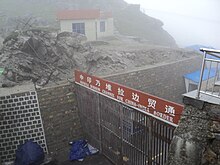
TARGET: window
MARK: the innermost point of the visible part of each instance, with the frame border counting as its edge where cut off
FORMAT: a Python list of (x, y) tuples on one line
[(78, 28), (102, 26)]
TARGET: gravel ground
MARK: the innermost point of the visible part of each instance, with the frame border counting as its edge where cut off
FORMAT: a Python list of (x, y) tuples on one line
[(90, 160)]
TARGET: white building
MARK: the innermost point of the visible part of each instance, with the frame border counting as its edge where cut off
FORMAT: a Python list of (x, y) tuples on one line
[(93, 23)]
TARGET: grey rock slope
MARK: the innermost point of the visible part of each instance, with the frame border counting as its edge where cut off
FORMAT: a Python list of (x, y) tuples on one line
[(43, 56), (39, 56)]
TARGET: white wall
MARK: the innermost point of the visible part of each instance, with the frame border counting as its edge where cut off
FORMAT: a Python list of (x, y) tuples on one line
[(188, 84), (90, 28), (109, 28)]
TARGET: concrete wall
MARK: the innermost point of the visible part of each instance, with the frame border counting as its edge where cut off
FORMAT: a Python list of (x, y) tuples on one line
[(20, 120), (164, 81), (60, 119), (90, 27), (91, 31), (109, 28), (197, 138)]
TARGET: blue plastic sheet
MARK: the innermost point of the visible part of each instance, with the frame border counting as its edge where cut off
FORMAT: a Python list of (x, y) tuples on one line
[(30, 153), (80, 149)]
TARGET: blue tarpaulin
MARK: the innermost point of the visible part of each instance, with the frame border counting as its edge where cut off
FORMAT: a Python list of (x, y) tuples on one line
[(195, 76), (80, 149), (30, 153)]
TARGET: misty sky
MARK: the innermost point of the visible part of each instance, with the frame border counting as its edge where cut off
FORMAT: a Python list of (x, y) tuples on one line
[(188, 21)]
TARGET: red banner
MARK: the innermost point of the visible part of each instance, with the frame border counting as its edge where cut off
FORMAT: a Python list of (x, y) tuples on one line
[(161, 108)]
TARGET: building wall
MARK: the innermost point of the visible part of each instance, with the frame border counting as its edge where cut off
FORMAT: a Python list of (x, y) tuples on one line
[(189, 84), (109, 28), (90, 28), (165, 81)]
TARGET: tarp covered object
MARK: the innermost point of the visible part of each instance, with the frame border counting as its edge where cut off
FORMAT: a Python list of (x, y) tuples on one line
[(29, 153), (80, 149)]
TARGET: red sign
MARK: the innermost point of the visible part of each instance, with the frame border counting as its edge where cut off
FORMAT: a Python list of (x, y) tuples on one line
[(163, 109)]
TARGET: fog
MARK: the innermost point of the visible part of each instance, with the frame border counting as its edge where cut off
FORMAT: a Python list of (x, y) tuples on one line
[(188, 21)]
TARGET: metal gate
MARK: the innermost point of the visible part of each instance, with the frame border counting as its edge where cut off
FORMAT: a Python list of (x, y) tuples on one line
[(124, 134)]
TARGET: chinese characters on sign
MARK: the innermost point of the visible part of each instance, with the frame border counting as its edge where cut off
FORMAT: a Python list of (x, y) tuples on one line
[(170, 110), (135, 97), (152, 103), (108, 87), (89, 80), (81, 77), (158, 107), (121, 92), (98, 83)]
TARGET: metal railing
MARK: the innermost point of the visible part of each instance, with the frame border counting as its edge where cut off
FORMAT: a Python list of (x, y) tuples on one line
[(209, 82)]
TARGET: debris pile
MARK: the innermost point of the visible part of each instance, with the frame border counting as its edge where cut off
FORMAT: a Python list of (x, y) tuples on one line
[(39, 56), (43, 56)]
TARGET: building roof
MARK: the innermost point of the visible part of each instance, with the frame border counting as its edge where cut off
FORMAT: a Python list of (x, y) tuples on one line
[(209, 56), (82, 14), (105, 15), (198, 47), (195, 76)]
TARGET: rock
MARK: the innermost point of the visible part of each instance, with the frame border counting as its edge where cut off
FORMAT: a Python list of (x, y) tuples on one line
[(40, 56), (12, 37), (43, 56), (184, 152), (8, 83), (76, 36), (35, 47), (1, 42), (215, 127), (215, 146), (214, 114), (217, 136), (210, 156)]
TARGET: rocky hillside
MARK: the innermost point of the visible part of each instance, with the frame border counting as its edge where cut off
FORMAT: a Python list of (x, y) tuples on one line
[(43, 13), (146, 28), (39, 56), (46, 57)]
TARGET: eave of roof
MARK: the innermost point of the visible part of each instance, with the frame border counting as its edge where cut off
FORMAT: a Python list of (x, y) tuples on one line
[(78, 14), (82, 14), (195, 76)]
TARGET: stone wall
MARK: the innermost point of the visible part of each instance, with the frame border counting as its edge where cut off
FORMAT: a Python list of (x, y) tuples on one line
[(197, 138), (164, 81), (20, 120), (60, 119)]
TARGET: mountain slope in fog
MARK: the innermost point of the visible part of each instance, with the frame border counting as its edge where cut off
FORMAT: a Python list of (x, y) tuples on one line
[(129, 20)]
